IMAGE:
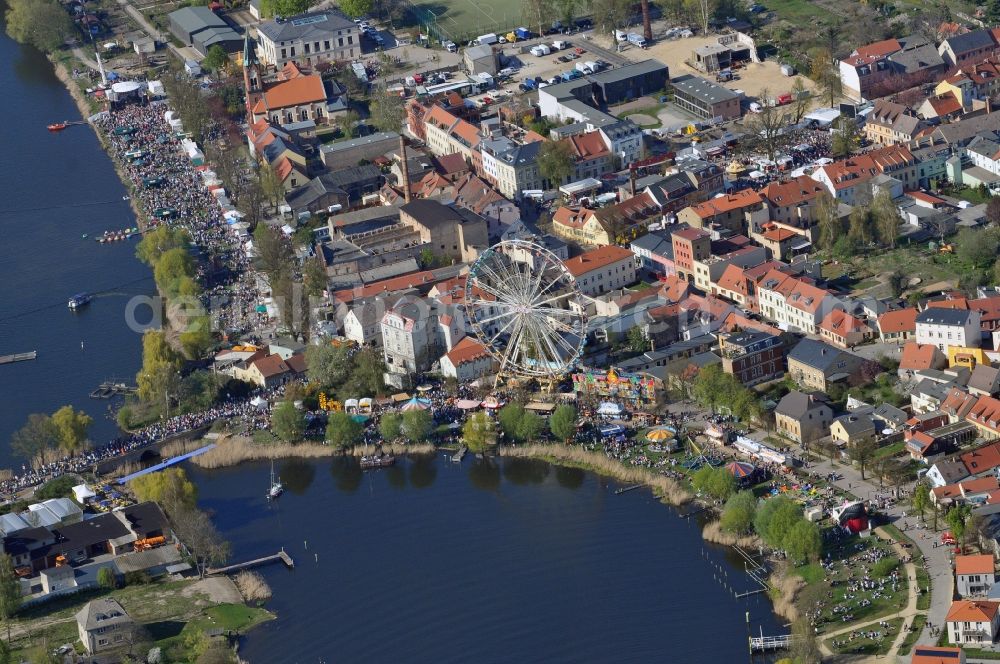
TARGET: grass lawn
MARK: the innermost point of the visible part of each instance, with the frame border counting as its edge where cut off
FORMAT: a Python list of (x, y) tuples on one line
[(812, 573), (852, 560), (890, 450), (912, 261), (264, 437), (799, 12), (914, 634), (970, 194), (871, 639)]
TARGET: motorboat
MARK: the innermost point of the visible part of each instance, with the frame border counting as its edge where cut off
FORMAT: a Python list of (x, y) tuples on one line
[(78, 301)]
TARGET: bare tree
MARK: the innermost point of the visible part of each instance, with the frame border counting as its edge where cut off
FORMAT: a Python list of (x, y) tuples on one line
[(196, 530)]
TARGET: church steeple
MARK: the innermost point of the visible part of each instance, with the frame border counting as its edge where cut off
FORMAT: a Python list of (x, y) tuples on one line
[(251, 73)]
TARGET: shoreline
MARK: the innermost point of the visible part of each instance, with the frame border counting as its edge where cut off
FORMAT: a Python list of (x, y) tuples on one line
[(233, 451)]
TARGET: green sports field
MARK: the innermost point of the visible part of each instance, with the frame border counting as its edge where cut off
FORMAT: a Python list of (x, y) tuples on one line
[(462, 20)]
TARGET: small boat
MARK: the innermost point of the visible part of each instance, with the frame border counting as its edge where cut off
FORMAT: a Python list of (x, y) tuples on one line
[(57, 126), (78, 301), (84, 236), (125, 198), (277, 488)]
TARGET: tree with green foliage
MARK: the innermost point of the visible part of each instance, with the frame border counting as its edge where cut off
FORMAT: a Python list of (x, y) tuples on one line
[(36, 439), (170, 488), (885, 214), (519, 424), (921, 498), (314, 276), (44, 24), (173, 269), (637, 341), (390, 426), (158, 377), (348, 123), (367, 377), (386, 109), (72, 426), (737, 515), (355, 8), (107, 579), (328, 365), (718, 483), (803, 541), (775, 518), (845, 137), (60, 487), (10, 591), (562, 422), (286, 8), (287, 422), (418, 425), (478, 432), (275, 255), (343, 431), (197, 339), (555, 162), (957, 519), (270, 184), (216, 59), (714, 388), (159, 241), (828, 220)]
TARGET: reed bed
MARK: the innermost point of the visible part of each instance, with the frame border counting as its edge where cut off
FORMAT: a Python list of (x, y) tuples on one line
[(784, 589), (713, 532), (669, 490), (252, 586), (233, 451)]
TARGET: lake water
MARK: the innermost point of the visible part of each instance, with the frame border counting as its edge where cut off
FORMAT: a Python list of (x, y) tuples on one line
[(56, 187), (509, 561)]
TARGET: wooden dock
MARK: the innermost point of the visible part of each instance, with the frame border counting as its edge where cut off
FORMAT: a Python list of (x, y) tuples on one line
[(266, 560), (768, 643), (18, 357), (459, 455), (626, 489)]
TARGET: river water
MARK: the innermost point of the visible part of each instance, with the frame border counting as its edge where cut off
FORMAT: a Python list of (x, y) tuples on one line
[(512, 561), (57, 187)]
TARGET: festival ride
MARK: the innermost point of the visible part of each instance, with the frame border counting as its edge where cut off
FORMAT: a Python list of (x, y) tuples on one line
[(526, 309)]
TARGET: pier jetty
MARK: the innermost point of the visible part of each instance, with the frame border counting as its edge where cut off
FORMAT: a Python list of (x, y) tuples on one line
[(18, 357), (257, 562)]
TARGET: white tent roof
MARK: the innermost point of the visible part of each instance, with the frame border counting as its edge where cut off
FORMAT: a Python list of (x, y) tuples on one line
[(609, 408), (81, 492)]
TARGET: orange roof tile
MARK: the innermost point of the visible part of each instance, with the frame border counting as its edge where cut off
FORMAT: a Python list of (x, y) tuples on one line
[(965, 610), (917, 357), (841, 323), (466, 350), (792, 192), (727, 203), (945, 104), (986, 413), (982, 564), (299, 91), (984, 458), (900, 320), (596, 259), (589, 145)]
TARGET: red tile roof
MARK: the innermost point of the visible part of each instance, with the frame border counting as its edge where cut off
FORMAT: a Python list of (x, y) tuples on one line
[(596, 259), (841, 323), (982, 459), (986, 413), (466, 350), (981, 564), (917, 357), (300, 91), (792, 192), (965, 610), (896, 322), (945, 104), (589, 145), (727, 203)]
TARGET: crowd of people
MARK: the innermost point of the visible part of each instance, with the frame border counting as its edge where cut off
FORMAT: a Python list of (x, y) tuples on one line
[(169, 188)]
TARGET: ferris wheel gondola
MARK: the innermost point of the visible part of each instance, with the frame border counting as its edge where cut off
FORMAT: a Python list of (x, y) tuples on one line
[(525, 307)]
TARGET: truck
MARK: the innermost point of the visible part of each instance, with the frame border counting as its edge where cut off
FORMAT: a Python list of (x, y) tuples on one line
[(636, 39), (559, 45), (522, 33), (594, 66), (621, 36), (486, 40), (584, 68), (529, 84), (541, 50)]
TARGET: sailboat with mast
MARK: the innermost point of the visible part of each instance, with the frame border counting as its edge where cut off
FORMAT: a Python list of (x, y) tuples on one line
[(277, 488)]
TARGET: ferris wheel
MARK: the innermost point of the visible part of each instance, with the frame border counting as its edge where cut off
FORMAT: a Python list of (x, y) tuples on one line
[(518, 299)]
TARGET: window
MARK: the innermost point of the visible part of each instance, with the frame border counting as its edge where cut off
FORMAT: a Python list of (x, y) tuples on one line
[(326, 44), (284, 54), (307, 48), (293, 52)]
